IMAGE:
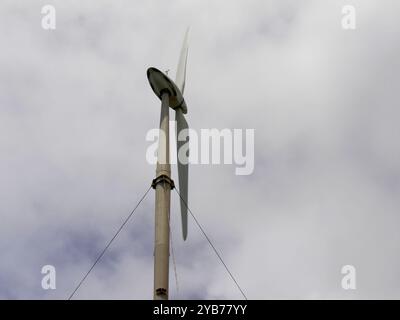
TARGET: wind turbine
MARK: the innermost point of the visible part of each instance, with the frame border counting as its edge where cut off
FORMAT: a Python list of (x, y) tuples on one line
[(171, 96)]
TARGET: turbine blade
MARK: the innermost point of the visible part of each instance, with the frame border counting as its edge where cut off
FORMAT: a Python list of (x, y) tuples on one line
[(183, 166), (181, 70)]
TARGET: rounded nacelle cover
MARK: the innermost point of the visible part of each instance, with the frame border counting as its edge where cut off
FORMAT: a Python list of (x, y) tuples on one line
[(160, 83)]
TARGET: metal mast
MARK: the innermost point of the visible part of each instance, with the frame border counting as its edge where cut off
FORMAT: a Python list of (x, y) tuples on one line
[(163, 185)]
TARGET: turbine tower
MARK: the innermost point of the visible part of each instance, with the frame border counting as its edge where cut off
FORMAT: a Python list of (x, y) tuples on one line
[(171, 95)]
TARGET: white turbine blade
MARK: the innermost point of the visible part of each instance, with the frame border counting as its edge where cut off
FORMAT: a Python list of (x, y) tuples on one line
[(181, 70), (183, 168)]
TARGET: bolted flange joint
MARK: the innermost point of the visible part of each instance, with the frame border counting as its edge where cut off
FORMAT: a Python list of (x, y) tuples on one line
[(163, 178)]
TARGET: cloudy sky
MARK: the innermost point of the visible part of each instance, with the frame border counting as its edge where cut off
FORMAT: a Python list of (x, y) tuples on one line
[(75, 107)]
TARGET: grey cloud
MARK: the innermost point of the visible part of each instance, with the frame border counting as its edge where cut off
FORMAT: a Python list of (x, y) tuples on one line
[(75, 106)]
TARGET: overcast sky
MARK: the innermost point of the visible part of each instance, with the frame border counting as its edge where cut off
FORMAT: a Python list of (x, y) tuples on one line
[(75, 107)]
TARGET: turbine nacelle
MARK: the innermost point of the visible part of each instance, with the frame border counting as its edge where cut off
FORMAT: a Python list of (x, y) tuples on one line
[(161, 83)]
